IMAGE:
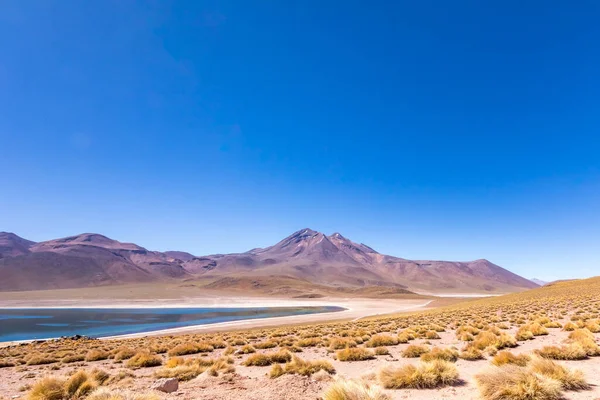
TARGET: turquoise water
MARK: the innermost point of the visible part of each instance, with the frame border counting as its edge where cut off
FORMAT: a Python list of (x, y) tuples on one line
[(45, 323)]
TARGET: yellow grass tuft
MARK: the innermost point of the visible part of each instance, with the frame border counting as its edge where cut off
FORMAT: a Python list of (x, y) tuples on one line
[(471, 353), (120, 394), (570, 380), (80, 384), (353, 390), (414, 351), (48, 388), (440, 354), (382, 340), (506, 357), (144, 359), (354, 354), (573, 351), (424, 376), (303, 367), (96, 355), (511, 382)]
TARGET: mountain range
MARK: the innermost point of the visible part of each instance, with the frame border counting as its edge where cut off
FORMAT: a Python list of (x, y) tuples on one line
[(308, 256)]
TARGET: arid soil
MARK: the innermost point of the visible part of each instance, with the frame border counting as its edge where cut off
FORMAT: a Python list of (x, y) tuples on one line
[(253, 383)]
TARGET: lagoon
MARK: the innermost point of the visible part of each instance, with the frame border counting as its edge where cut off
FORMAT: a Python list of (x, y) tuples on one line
[(45, 323)]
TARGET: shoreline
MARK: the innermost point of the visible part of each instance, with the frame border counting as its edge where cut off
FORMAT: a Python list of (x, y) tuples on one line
[(354, 309)]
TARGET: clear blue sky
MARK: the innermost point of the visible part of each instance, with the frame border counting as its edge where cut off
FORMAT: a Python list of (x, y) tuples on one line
[(425, 129)]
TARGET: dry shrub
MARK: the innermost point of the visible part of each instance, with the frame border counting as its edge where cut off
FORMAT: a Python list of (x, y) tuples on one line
[(41, 360), (190, 348), (437, 353), (309, 342), (100, 376), (523, 334), (552, 324), (144, 359), (269, 344), (354, 354), (506, 357), (280, 356), (120, 394), (341, 343), (570, 380), (181, 372), (71, 358), (96, 355), (80, 384), (6, 364), (48, 388), (352, 390), (382, 340), (124, 353), (471, 353), (414, 351), (432, 335), (265, 359), (510, 382), (569, 326), (424, 376), (302, 367), (403, 337), (381, 351), (585, 339), (247, 349), (573, 351)]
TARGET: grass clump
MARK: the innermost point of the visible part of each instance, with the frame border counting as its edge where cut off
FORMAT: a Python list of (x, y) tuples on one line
[(302, 367), (96, 355), (341, 343), (569, 380), (144, 359), (41, 360), (381, 351), (572, 351), (309, 342), (80, 384), (431, 335), (471, 353), (246, 349), (181, 372), (440, 354), (382, 340), (121, 394), (266, 359), (48, 388), (124, 353), (354, 354), (426, 375), (190, 348), (353, 390), (414, 351), (506, 357), (511, 382)]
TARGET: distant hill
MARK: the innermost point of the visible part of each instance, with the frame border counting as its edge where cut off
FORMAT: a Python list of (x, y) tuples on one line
[(306, 256), (539, 282)]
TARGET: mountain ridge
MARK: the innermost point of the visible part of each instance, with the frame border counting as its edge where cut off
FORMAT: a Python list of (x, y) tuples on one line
[(91, 259)]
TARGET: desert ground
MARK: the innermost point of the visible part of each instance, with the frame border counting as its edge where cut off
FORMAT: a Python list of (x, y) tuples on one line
[(539, 344)]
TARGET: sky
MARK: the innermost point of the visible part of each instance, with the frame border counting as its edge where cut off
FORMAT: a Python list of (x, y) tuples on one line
[(425, 129)]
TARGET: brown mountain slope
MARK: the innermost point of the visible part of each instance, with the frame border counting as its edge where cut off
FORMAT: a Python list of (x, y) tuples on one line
[(337, 261), (12, 245), (306, 256), (86, 260)]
